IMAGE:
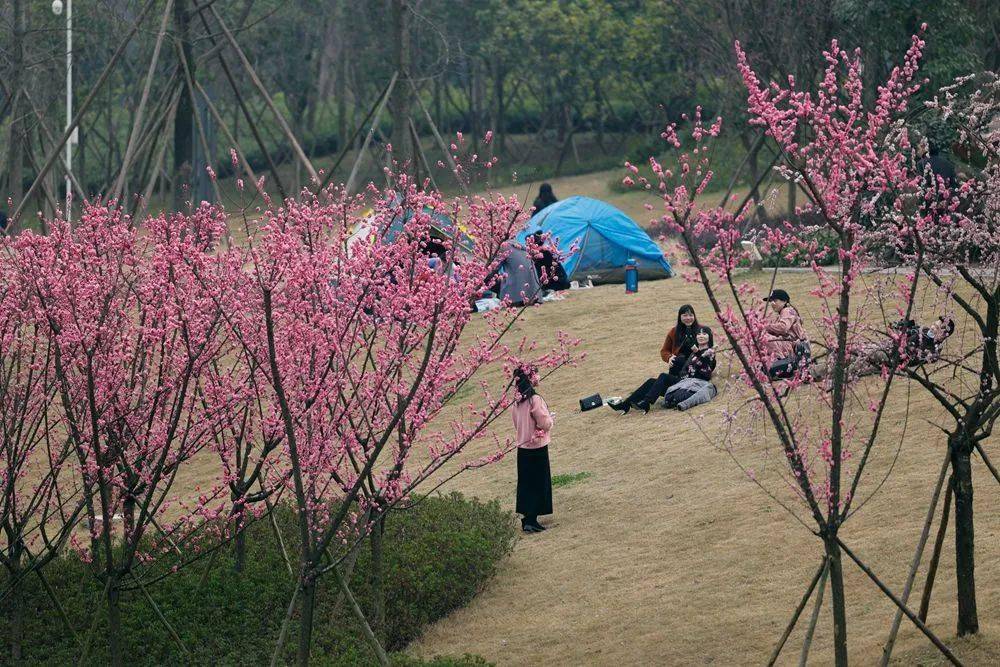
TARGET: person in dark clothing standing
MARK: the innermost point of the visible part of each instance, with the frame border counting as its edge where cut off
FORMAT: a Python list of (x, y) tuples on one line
[(545, 198), (677, 347), (532, 424), (936, 166)]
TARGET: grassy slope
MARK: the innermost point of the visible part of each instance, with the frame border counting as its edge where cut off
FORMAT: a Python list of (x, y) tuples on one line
[(667, 555)]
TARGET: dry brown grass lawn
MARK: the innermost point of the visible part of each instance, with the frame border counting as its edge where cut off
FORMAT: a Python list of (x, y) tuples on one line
[(666, 554)]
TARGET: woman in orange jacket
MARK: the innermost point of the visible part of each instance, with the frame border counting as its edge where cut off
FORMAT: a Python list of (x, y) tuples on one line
[(676, 348)]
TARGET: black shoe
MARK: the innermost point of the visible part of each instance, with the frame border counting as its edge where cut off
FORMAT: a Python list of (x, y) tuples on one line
[(621, 406), (642, 405), (537, 526), (531, 528)]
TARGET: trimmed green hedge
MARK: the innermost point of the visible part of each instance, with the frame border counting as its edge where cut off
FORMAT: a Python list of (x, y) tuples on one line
[(437, 556)]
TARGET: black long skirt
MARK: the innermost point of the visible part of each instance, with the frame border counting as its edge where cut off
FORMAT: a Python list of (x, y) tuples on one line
[(534, 482)]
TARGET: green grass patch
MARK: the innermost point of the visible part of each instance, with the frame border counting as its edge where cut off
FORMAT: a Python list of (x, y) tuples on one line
[(569, 478), (437, 556)]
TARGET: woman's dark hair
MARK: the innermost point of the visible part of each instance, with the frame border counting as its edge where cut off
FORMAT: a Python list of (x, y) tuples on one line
[(523, 384), (681, 331), (711, 338), (545, 196)]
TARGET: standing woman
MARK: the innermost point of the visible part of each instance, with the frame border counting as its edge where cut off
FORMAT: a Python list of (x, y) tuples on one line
[(532, 423), (544, 199)]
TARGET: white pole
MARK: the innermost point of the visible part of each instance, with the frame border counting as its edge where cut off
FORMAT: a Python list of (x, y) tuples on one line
[(69, 106)]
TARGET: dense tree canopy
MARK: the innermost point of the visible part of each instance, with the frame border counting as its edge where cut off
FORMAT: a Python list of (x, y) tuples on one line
[(555, 70)]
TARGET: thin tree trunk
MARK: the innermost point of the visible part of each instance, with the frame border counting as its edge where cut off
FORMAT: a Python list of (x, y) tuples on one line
[(752, 167), (837, 600), (114, 622), (341, 80), (308, 605), (378, 579), (16, 613), (240, 543), (401, 99), (965, 541)]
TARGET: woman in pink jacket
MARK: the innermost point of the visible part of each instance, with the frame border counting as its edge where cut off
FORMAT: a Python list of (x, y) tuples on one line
[(532, 424)]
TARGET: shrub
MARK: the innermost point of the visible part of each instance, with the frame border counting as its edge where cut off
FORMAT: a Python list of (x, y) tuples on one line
[(437, 556)]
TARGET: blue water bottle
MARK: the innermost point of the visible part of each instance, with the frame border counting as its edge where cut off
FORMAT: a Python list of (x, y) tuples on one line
[(631, 277)]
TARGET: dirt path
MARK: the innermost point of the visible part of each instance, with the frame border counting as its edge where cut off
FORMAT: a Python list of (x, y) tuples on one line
[(667, 555)]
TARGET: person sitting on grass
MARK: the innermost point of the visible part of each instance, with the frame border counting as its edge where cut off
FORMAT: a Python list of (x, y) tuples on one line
[(696, 387), (785, 341), (921, 345), (677, 346)]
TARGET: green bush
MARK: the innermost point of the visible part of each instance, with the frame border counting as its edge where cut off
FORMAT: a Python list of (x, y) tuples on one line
[(437, 556)]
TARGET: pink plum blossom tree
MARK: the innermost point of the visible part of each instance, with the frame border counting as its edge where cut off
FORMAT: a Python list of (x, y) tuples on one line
[(846, 157)]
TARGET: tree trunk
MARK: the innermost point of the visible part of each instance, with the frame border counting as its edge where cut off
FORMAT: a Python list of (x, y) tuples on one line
[(15, 141), (378, 581), (240, 542), (308, 604), (500, 126), (965, 541), (184, 118), (16, 612), (437, 105), (401, 99), (340, 91), (752, 167), (114, 622), (837, 600)]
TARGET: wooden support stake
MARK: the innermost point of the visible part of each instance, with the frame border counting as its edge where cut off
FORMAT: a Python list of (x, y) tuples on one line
[(267, 98), (272, 167), (189, 80), (986, 460), (921, 543), (440, 141), (383, 659), (899, 603), (143, 204), (798, 612), (54, 154), (50, 138), (62, 610), (370, 134), (925, 598), (814, 619), (229, 135), (163, 619), (133, 135), (350, 142)]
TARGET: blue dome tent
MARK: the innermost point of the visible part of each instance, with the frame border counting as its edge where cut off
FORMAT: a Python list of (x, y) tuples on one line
[(604, 239)]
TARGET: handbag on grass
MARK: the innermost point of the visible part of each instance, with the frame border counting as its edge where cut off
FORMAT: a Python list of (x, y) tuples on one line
[(590, 402)]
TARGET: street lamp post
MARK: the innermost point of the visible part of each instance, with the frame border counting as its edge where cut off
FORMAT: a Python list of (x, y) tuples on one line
[(57, 7)]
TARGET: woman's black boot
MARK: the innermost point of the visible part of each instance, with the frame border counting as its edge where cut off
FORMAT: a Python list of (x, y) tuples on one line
[(621, 406), (643, 405)]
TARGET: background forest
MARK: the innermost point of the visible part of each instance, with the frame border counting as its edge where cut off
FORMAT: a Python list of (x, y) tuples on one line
[(567, 86)]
